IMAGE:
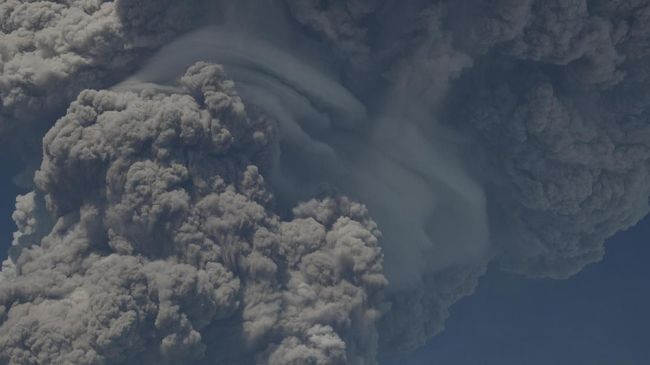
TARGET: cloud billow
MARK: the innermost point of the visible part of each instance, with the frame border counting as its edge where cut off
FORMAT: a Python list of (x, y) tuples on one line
[(51, 50), (211, 200), (162, 227)]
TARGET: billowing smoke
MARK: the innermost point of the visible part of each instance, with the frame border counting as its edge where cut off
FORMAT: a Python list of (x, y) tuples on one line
[(51, 50), (163, 233), (325, 137), (213, 206), (563, 113)]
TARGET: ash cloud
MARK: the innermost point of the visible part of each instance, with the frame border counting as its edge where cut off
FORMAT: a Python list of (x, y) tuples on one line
[(163, 229), (568, 131), (471, 132), (390, 165), (52, 50)]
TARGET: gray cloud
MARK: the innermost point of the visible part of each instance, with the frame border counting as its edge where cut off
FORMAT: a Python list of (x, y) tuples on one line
[(410, 184), (52, 50), (418, 313), (472, 131), (163, 228), (555, 94), (566, 134), (406, 180)]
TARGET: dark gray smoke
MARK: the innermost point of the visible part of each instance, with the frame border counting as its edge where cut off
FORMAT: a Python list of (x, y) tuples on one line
[(200, 215), (163, 233), (52, 50), (407, 180)]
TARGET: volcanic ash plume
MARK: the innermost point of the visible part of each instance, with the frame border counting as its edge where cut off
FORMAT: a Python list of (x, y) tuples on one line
[(173, 217), (162, 235), (51, 50)]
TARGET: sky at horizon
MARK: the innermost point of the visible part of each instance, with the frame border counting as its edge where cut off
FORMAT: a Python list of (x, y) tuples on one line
[(597, 317)]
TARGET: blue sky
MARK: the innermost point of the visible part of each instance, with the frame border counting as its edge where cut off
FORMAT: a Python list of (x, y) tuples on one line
[(599, 317)]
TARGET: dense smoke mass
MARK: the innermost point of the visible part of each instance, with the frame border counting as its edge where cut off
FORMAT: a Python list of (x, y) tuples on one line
[(305, 182), (158, 195)]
